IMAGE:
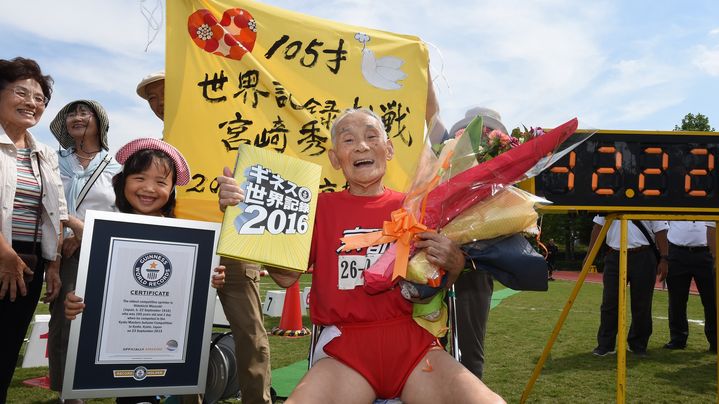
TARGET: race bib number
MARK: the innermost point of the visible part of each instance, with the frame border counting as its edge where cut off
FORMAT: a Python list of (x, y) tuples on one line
[(351, 269)]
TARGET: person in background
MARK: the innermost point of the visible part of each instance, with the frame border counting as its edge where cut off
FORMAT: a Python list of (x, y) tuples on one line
[(642, 273), (146, 186), (33, 206), (690, 258), (86, 169), (240, 297), (552, 251), (152, 89), (474, 289)]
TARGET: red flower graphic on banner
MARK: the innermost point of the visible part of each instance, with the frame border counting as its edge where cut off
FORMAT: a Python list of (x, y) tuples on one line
[(231, 37)]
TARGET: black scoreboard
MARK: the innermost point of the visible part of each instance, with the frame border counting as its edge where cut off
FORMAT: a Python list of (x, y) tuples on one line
[(634, 171)]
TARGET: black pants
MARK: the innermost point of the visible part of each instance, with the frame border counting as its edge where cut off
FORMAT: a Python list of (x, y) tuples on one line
[(474, 297), (641, 275), (15, 318), (685, 264), (59, 327)]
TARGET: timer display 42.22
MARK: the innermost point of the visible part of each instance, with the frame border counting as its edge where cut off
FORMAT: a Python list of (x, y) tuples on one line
[(636, 171)]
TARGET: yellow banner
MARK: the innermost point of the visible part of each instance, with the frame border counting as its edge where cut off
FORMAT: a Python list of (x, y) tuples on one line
[(241, 72)]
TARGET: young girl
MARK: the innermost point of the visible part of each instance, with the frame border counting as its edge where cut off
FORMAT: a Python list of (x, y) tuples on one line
[(146, 186)]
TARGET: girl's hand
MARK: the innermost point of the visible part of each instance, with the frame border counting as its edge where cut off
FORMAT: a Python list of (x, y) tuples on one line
[(442, 252), (230, 193), (218, 278), (12, 269), (73, 305)]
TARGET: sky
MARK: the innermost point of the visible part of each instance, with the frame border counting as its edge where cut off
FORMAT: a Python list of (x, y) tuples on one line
[(614, 64)]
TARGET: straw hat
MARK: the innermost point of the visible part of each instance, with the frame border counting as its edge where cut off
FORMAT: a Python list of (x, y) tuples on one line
[(58, 125), (181, 166), (490, 117), (147, 80)]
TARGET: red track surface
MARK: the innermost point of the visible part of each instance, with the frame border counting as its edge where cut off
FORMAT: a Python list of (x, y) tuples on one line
[(597, 278)]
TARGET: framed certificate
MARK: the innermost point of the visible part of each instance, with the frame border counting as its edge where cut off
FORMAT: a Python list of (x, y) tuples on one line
[(149, 306)]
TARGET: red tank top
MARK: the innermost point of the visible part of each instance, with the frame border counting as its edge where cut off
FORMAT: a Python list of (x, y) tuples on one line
[(333, 299)]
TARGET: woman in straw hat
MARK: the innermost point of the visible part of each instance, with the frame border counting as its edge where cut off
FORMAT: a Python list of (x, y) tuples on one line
[(86, 169)]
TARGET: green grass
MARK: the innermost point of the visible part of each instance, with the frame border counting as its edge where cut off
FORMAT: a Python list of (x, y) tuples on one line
[(520, 326), (517, 331)]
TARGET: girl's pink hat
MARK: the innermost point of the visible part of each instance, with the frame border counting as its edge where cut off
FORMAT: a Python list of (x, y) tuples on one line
[(181, 166)]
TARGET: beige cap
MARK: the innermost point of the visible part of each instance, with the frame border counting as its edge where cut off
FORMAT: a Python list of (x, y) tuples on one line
[(491, 118), (149, 79)]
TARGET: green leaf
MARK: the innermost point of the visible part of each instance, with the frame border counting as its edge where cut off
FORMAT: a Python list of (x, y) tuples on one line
[(475, 130)]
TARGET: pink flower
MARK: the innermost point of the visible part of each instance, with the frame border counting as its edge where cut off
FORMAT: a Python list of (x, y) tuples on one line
[(459, 133), (503, 139), (493, 135)]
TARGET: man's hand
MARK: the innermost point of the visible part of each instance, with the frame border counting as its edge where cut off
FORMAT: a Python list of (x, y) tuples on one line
[(52, 281), (443, 253), (662, 269), (12, 270), (73, 305), (230, 193)]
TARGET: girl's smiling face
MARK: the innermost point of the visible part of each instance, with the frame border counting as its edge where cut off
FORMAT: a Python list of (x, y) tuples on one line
[(149, 190)]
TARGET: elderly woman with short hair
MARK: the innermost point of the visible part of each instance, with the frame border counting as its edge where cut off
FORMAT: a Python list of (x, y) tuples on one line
[(33, 206)]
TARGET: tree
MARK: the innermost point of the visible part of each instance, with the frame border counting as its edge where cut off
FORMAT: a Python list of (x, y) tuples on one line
[(566, 229), (696, 122)]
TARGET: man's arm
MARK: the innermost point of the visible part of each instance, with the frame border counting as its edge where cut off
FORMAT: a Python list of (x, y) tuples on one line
[(432, 104), (72, 243), (436, 129), (660, 238), (711, 240), (596, 229), (284, 278)]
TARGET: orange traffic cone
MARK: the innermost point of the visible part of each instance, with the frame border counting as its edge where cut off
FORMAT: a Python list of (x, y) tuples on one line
[(291, 320)]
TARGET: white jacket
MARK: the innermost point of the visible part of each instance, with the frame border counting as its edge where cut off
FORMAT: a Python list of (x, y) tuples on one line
[(53, 198)]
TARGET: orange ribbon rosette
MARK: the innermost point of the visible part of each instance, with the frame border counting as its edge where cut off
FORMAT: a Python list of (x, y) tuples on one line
[(401, 229)]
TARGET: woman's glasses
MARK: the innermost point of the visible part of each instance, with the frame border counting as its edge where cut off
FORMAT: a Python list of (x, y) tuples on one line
[(82, 114), (26, 95)]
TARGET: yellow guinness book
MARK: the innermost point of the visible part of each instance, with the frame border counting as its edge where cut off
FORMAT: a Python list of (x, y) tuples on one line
[(274, 224)]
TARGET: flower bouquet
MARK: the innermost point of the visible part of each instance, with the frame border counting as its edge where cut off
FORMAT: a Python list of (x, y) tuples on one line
[(466, 193)]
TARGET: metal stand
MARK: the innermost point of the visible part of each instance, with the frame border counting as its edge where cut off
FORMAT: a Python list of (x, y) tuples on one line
[(622, 312)]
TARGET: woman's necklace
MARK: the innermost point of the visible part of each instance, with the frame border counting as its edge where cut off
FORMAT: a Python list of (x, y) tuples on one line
[(88, 158), (85, 158)]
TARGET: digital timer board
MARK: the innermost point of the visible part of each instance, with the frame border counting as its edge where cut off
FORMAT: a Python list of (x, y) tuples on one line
[(634, 171)]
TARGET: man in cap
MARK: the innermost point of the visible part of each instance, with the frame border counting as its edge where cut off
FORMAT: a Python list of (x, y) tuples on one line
[(152, 89), (240, 297)]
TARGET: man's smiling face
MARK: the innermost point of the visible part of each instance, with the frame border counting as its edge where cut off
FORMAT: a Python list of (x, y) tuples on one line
[(361, 150)]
